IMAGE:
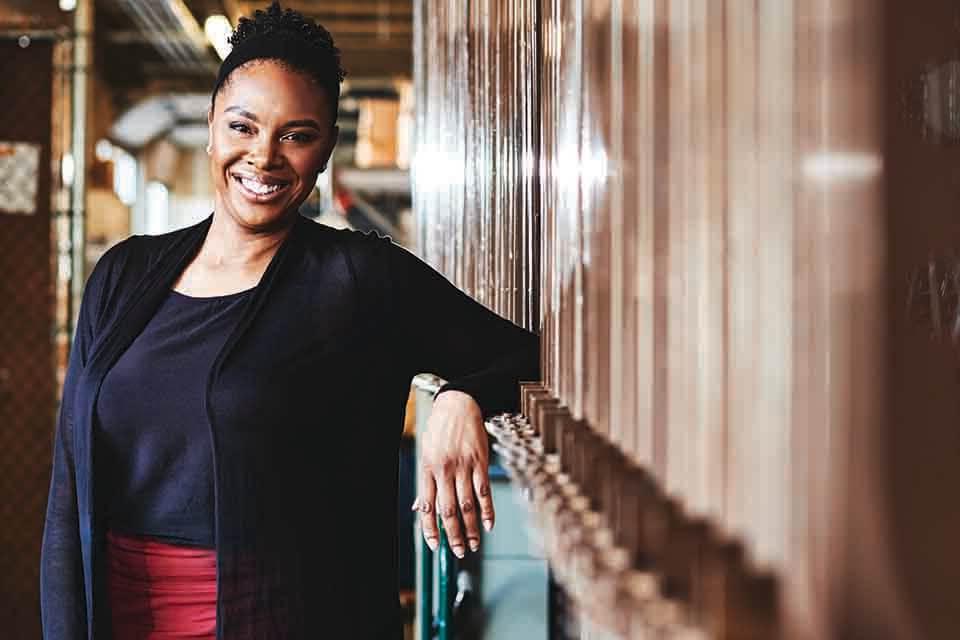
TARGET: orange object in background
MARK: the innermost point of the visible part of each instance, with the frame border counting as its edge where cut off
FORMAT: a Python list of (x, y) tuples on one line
[(377, 133), (410, 417)]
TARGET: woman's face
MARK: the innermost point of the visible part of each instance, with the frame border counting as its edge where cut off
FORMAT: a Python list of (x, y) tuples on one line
[(271, 133)]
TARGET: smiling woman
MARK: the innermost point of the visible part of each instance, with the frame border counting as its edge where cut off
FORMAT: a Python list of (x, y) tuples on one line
[(235, 394), (272, 129), (271, 134)]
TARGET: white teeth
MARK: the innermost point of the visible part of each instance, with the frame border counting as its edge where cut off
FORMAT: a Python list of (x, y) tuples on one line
[(258, 187)]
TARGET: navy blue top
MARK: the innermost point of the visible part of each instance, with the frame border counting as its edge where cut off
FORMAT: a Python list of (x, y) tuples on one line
[(153, 438)]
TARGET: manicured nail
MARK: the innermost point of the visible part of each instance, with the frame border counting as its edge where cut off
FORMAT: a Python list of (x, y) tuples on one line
[(458, 551), (474, 545), (432, 543), (488, 525)]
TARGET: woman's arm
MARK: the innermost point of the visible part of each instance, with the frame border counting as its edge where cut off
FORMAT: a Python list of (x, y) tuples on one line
[(62, 601), (455, 337), (482, 357)]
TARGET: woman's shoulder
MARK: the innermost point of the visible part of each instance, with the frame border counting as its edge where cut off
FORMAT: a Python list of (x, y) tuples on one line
[(134, 253), (362, 249), (346, 237), (121, 268)]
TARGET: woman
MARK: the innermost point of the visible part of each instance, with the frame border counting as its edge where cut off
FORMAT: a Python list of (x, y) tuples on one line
[(226, 457)]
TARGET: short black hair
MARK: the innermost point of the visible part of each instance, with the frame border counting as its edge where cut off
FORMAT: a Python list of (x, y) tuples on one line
[(276, 23)]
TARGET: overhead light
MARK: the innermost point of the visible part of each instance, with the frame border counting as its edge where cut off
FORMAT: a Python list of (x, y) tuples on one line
[(124, 176), (67, 169), (218, 30), (68, 5), (103, 150)]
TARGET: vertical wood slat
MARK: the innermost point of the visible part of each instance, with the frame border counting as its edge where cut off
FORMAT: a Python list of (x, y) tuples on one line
[(639, 218), (596, 181), (742, 167), (680, 345)]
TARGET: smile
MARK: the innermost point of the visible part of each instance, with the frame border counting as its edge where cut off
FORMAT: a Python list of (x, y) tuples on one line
[(258, 189)]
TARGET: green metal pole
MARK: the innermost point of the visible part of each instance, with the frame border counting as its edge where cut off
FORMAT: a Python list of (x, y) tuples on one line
[(425, 602), (445, 569)]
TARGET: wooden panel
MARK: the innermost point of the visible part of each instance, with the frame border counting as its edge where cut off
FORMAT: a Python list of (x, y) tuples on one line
[(724, 237)]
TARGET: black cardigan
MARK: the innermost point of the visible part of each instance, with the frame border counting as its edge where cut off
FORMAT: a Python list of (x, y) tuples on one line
[(305, 405)]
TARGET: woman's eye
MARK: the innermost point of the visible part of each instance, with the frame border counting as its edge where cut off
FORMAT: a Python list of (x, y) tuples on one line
[(297, 136), (240, 127)]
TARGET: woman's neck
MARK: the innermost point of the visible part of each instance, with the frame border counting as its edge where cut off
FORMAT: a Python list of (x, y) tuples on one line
[(231, 259), (229, 246)]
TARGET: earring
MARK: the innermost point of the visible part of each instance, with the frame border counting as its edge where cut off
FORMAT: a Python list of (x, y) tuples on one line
[(209, 149)]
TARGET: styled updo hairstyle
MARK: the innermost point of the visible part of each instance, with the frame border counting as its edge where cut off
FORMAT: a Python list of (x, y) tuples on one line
[(290, 39)]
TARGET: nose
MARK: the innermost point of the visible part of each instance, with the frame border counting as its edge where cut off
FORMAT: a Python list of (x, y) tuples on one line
[(265, 154)]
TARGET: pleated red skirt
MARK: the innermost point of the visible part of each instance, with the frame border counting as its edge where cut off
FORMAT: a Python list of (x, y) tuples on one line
[(160, 591)]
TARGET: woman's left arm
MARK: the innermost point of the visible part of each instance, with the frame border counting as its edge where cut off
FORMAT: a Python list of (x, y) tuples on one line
[(483, 357)]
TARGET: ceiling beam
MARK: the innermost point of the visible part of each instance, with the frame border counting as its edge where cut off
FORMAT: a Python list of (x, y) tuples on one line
[(361, 63), (384, 8), (131, 36), (348, 50), (337, 27), (234, 9)]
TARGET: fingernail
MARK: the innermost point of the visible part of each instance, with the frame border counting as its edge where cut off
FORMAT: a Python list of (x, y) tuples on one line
[(415, 505), (458, 551), (488, 525), (432, 543), (474, 545)]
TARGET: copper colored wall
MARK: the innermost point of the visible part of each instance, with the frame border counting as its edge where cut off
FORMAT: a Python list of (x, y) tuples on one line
[(27, 398), (476, 132), (731, 197)]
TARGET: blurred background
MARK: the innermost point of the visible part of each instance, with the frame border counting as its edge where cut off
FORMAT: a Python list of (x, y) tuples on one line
[(733, 224)]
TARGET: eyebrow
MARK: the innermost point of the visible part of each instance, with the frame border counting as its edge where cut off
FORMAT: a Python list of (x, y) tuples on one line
[(293, 123)]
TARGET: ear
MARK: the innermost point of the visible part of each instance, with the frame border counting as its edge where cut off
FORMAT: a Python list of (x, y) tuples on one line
[(209, 129)]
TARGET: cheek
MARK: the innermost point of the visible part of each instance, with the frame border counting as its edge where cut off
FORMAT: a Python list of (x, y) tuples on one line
[(226, 149), (307, 165)]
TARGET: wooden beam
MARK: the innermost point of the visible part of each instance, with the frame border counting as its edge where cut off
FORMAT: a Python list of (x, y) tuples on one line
[(337, 27), (234, 9), (361, 63), (385, 8)]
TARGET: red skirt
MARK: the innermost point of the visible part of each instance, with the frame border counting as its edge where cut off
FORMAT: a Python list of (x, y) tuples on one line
[(160, 591)]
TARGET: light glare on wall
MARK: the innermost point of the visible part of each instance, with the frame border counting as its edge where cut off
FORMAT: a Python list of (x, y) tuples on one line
[(218, 30), (158, 208), (124, 176), (68, 5)]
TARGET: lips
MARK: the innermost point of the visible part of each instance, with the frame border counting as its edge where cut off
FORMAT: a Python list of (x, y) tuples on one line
[(259, 188)]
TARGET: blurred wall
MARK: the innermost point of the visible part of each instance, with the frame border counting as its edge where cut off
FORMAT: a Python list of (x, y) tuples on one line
[(27, 395)]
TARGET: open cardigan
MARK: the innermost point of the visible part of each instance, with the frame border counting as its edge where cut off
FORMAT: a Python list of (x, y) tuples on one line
[(305, 406)]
